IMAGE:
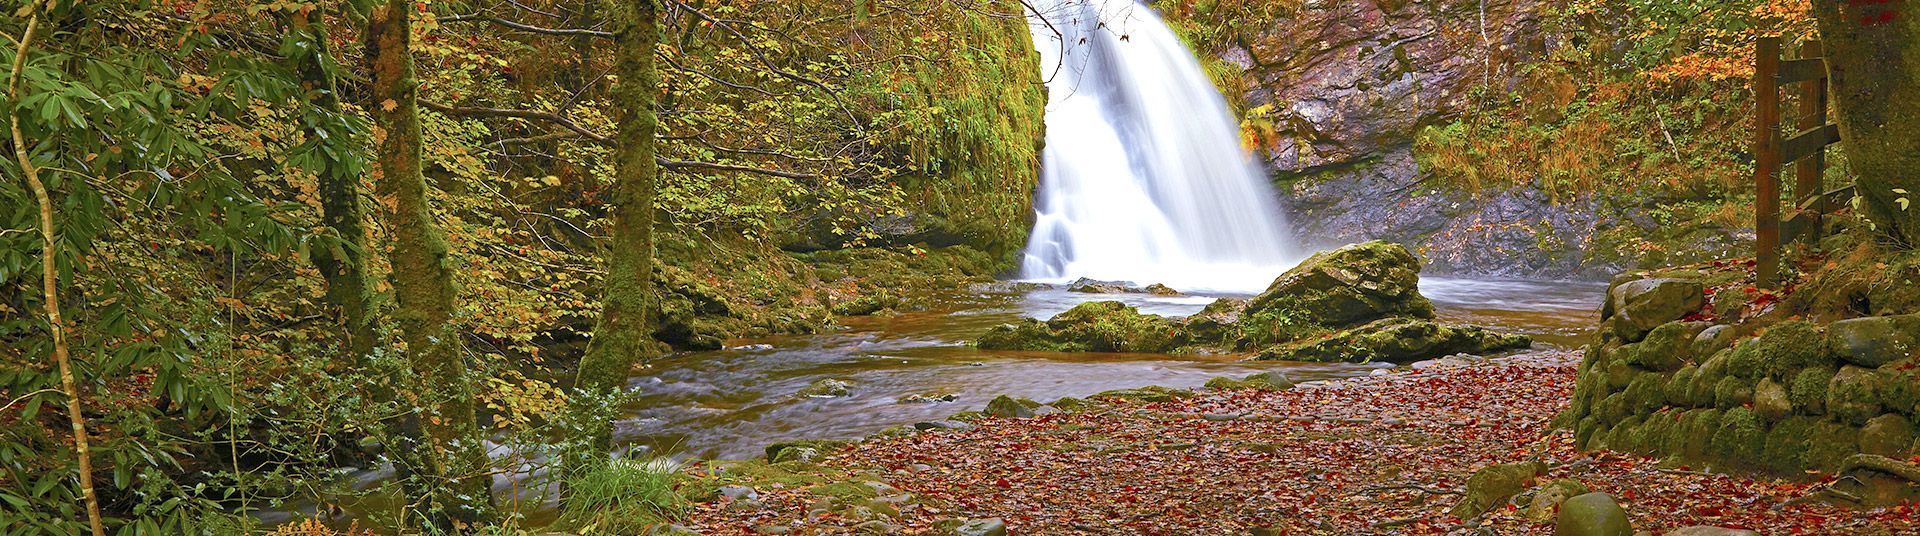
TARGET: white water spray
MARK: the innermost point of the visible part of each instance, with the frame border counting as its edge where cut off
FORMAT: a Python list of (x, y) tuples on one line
[(1144, 176)]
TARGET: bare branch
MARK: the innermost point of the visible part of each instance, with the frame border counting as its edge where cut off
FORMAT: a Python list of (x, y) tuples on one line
[(524, 27), (678, 165)]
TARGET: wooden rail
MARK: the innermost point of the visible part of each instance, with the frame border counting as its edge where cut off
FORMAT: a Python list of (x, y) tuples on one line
[(1806, 148)]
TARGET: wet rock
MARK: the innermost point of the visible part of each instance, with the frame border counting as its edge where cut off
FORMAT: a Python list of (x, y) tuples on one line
[(1351, 285), (803, 450), (1875, 341), (1547, 500), (1152, 393), (992, 526), (928, 398), (1161, 290), (1218, 324), (752, 348), (1592, 514), (1265, 381), (1491, 486), (1094, 286), (1704, 530), (1641, 305), (1007, 407), (1397, 340), (1101, 326), (827, 388)]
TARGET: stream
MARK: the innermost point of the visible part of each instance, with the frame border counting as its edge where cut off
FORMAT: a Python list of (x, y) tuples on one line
[(729, 404)]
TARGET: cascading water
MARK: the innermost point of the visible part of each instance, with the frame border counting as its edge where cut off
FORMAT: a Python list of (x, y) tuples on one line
[(1144, 178)]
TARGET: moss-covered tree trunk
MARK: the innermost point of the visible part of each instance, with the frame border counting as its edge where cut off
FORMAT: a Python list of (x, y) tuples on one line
[(338, 164), (625, 333), (447, 465), (1873, 58)]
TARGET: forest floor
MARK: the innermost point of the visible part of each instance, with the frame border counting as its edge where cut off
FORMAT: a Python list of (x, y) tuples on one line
[(1387, 453)]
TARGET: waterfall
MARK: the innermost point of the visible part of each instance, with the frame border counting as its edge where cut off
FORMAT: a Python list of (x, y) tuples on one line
[(1144, 178)]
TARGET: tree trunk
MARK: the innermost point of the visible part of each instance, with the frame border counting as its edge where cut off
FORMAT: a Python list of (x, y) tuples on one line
[(450, 466), (1873, 61), (340, 166), (50, 276), (625, 335)]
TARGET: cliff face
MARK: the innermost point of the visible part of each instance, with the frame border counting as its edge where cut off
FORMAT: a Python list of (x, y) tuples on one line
[(1338, 91)]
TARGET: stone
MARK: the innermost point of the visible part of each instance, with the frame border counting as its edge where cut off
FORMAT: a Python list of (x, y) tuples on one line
[(735, 492), (1874, 341), (1889, 435), (827, 388), (1216, 325), (1770, 400), (947, 424), (1740, 439), (1870, 481), (1665, 348), (1808, 392), (772, 529), (1265, 381), (1152, 393), (1158, 289), (1546, 501), (1007, 407), (1641, 305), (1854, 395), (1489, 487), (1704, 530), (991, 526), (1781, 352), (876, 527), (928, 398), (1396, 340), (1592, 514), (1094, 286), (1098, 326), (1714, 339), (1348, 286), (803, 450)]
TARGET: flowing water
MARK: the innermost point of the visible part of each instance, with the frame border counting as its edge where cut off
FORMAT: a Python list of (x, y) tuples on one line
[(1144, 178), (732, 403)]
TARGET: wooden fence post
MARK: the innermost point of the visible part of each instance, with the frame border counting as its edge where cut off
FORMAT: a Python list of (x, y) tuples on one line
[(1766, 169), (1807, 184)]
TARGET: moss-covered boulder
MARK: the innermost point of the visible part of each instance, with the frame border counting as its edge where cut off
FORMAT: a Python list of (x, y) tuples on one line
[(1636, 307), (1732, 392), (1666, 348), (1592, 514), (1397, 340), (1787, 442), (1547, 500), (1770, 400), (1265, 381), (1679, 388), (1100, 326), (1890, 435), (1875, 341), (1007, 407), (1350, 285), (803, 450), (1871, 481), (1491, 486), (1854, 395), (1829, 445), (1781, 352), (1808, 392), (1152, 393)]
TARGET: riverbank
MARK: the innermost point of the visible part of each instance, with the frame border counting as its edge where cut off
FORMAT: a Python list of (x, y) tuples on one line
[(1388, 453)]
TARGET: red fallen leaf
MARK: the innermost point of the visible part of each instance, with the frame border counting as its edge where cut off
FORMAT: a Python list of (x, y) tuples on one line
[(1003, 483)]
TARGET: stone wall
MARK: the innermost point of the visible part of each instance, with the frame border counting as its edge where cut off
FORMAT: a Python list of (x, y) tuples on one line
[(1768, 396)]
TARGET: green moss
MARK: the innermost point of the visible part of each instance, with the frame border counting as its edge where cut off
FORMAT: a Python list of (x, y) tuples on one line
[(1787, 444), (1584, 431), (1646, 392), (1614, 408), (796, 450), (1101, 326), (1854, 395), (1829, 445), (1696, 433), (1679, 388), (1665, 348), (1398, 340), (1731, 392), (1808, 392), (1152, 393), (1491, 486), (1740, 438), (1782, 352)]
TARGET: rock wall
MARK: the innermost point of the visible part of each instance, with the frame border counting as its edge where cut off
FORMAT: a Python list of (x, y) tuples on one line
[(1665, 379), (1344, 88)]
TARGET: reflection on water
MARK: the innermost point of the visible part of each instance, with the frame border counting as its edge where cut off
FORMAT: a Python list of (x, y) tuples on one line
[(731, 403)]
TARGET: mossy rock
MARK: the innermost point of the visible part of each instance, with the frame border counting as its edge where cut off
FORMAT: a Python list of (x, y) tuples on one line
[(1584, 430), (1397, 340), (1830, 445), (1854, 395), (1548, 498), (1153, 393), (1740, 439), (1784, 350), (1696, 433), (1731, 392), (1491, 486), (1007, 407), (803, 450), (1592, 514), (1900, 388), (1350, 285), (1771, 401), (1614, 408), (1647, 392), (1216, 325), (1875, 341), (1620, 437), (1619, 375), (1787, 443), (866, 304), (1636, 307), (1100, 326), (1650, 435), (1713, 339), (1265, 381), (1069, 404), (1890, 435), (1808, 391), (1679, 387), (1666, 348)]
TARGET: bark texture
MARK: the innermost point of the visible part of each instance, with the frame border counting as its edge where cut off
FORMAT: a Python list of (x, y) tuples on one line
[(625, 334), (340, 165), (1873, 63), (449, 466)]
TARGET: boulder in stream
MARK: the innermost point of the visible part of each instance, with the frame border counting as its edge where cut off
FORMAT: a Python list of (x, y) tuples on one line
[(1100, 326), (1397, 340)]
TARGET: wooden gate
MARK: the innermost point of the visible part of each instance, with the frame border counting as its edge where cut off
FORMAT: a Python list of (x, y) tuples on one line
[(1806, 149)]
